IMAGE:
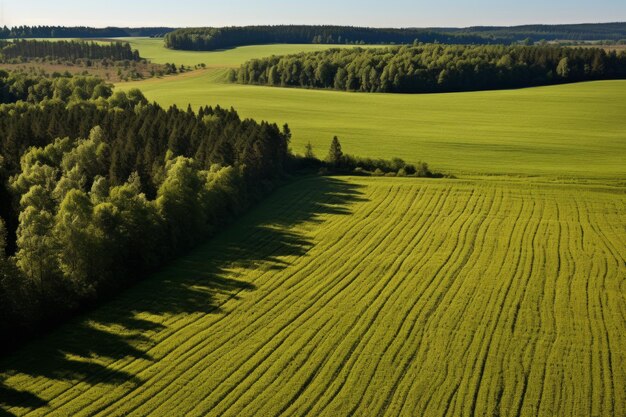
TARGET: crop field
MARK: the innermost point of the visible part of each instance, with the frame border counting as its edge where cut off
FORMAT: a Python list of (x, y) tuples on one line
[(569, 131), (362, 296)]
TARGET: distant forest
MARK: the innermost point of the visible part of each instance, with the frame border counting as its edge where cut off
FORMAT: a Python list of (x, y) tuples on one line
[(576, 32), (70, 50), (206, 39), (79, 32), (433, 68)]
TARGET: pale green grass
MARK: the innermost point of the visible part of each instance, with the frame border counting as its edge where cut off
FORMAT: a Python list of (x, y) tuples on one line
[(362, 296), (571, 131), (566, 131), (154, 50)]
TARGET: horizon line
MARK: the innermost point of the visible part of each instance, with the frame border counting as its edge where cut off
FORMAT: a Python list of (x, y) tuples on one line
[(324, 24)]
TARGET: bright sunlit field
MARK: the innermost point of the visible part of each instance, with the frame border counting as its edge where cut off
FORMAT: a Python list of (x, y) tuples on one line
[(349, 296), (565, 131)]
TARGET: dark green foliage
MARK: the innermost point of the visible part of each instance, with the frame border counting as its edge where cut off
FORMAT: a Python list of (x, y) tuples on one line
[(536, 33), (79, 32), (69, 50), (227, 37), (339, 163), (18, 86), (308, 151), (396, 166), (335, 156), (434, 68), (140, 136), (17, 296), (98, 193), (207, 39)]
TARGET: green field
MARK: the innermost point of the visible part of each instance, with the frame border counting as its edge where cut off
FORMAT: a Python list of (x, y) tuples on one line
[(154, 50), (486, 295), (373, 297), (569, 131)]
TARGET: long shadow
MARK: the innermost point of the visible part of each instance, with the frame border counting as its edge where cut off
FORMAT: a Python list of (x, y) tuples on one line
[(192, 284), (10, 397)]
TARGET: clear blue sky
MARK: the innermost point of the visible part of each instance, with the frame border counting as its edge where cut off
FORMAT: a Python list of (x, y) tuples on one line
[(396, 13)]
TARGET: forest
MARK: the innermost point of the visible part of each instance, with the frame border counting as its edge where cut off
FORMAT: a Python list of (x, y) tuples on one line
[(79, 32), (574, 32), (433, 68), (98, 188), (207, 39), (212, 38), (17, 86), (69, 50)]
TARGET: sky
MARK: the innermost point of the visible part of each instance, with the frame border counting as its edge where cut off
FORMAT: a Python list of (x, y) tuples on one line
[(385, 13)]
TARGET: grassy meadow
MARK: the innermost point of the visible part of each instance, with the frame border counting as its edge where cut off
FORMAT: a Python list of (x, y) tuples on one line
[(357, 296), (155, 51), (574, 131)]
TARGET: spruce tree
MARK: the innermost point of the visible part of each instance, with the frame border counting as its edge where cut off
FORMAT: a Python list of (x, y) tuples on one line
[(308, 151), (335, 154)]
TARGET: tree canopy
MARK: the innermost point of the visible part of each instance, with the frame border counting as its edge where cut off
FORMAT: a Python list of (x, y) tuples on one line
[(98, 188), (211, 38), (433, 68), (78, 32), (70, 50), (207, 39)]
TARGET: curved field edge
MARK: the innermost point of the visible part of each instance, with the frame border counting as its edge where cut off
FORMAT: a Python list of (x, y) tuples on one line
[(362, 296), (571, 132), (155, 51)]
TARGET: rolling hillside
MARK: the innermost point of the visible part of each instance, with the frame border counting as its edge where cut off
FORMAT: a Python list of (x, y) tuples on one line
[(154, 50), (568, 131)]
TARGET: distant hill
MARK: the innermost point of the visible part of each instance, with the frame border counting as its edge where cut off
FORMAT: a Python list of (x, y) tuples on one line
[(212, 38), (79, 32), (207, 39), (584, 31)]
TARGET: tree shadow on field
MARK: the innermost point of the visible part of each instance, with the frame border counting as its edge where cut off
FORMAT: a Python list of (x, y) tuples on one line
[(90, 349)]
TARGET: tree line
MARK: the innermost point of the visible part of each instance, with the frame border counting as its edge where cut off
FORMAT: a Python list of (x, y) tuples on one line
[(207, 39), (211, 38), (433, 68), (69, 50), (95, 193), (573, 32), (338, 162), (18, 86), (79, 32)]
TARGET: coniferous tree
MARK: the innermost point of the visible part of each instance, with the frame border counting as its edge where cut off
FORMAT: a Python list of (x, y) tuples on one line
[(308, 151), (335, 154)]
